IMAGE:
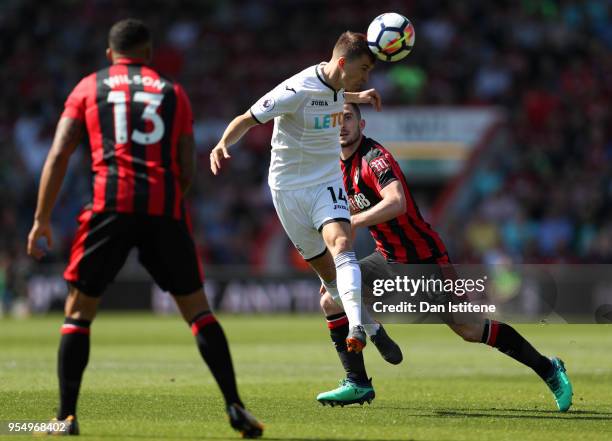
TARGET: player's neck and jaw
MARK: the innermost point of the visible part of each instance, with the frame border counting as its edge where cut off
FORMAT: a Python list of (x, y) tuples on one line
[(349, 148), (332, 74)]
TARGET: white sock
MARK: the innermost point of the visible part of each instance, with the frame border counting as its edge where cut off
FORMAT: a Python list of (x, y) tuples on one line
[(370, 325), (348, 279)]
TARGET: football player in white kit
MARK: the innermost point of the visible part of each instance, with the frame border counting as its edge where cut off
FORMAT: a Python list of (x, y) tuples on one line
[(305, 176)]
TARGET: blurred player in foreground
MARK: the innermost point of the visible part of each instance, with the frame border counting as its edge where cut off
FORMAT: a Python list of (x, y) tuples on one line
[(139, 126), (380, 200), (304, 176)]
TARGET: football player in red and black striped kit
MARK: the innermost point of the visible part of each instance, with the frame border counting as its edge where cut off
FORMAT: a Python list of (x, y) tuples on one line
[(139, 128), (381, 201)]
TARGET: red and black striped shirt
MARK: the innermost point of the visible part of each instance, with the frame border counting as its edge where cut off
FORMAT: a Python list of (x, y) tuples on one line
[(134, 118), (406, 238)]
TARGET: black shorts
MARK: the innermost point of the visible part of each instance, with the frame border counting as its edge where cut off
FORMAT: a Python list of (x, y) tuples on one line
[(104, 240), (375, 266), (375, 270)]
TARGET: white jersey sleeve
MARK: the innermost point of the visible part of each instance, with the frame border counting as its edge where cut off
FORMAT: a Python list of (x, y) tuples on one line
[(279, 101)]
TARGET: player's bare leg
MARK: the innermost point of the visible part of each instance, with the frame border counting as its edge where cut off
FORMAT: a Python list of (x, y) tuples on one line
[(191, 305), (214, 349), (73, 355), (507, 340), (80, 306), (325, 266), (504, 338), (329, 306), (336, 236)]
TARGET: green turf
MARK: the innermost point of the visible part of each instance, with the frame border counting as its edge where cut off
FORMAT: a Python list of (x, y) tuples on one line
[(146, 381)]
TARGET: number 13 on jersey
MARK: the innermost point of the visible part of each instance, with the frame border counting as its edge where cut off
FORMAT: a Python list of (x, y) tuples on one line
[(152, 101)]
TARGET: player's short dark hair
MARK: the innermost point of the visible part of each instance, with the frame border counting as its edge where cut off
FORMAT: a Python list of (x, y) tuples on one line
[(356, 110), (351, 45), (128, 34)]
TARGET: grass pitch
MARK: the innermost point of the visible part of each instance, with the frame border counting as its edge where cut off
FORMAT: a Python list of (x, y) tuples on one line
[(146, 380)]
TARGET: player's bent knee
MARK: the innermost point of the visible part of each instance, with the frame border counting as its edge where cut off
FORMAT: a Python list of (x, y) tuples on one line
[(343, 244), (337, 237), (191, 304), (339, 244), (80, 306)]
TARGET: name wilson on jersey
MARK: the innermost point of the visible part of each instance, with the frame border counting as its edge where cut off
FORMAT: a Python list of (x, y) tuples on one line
[(136, 80)]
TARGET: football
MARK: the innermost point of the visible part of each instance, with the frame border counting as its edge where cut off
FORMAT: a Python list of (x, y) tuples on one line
[(390, 36)]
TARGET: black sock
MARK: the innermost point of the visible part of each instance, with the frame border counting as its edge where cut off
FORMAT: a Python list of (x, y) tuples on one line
[(72, 359), (507, 340), (215, 352), (353, 363)]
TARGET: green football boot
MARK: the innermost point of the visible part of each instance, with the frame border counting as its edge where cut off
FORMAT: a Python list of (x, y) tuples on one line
[(348, 392), (560, 385)]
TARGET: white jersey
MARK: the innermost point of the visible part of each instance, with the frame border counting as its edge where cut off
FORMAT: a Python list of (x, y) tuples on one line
[(307, 114)]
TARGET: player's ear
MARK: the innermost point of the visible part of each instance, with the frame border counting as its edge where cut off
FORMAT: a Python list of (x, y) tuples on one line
[(341, 62), (362, 124), (109, 54)]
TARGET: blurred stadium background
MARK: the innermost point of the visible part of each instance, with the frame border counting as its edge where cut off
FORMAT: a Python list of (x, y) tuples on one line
[(500, 117)]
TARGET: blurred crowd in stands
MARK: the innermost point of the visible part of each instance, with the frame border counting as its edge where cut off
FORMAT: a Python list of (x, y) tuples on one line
[(547, 198)]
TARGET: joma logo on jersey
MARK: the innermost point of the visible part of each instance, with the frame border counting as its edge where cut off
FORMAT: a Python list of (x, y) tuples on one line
[(327, 121), (319, 103)]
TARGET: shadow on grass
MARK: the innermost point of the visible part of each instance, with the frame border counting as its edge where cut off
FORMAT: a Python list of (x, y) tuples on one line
[(503, 413), (265, 438), (314, 438), (556, 412), (574, 415)]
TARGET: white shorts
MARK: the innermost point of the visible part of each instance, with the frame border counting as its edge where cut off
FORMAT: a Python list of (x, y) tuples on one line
[(304, 212)]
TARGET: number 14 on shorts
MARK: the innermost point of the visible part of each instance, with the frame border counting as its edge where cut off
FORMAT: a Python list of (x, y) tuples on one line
[(340, 197)]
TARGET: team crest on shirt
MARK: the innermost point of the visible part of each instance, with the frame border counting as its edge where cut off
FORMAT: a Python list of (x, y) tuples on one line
[(267, 104), (356, 179), (380, 165)]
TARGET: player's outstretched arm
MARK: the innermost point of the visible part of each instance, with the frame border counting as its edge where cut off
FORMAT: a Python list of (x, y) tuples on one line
[(392, 205), (234, 131), (370, 96), (67, 137)]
